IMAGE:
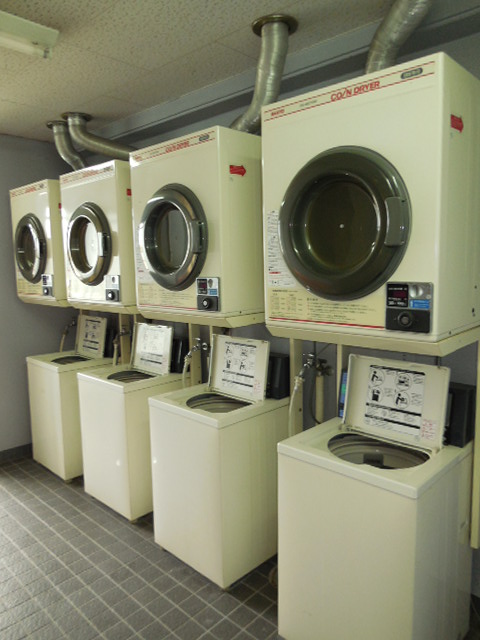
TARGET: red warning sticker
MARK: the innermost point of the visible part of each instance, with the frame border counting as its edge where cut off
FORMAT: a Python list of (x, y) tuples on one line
[(237, 170), (456, 122)]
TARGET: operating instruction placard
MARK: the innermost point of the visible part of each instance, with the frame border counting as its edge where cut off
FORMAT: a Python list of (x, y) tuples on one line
[(153, 348), (239, 366), (395, 400)]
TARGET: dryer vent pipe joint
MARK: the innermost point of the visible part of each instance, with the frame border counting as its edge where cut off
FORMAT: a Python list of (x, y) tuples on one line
[(274, 31), (398, 25)]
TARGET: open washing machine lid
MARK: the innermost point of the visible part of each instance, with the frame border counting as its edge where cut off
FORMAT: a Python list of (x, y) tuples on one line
[(238, 367), (396, 401), (152, 348), (91, 335)]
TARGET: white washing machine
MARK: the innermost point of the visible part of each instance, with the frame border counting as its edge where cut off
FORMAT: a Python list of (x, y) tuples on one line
[(371, 203), (38, 246), (374, 514), (214, 465), (198, 228), (115, 423), (53, 395), (98, 237)]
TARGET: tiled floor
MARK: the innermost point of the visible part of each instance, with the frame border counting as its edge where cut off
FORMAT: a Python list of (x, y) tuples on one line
[(71, 568)]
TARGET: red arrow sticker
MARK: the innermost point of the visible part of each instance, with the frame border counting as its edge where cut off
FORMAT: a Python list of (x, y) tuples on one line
[(456, 122), (236, 170)]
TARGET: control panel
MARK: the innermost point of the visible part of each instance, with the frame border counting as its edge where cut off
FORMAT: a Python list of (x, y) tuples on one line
[(409, 306), (47, 284), (112, 288), (208, 294)]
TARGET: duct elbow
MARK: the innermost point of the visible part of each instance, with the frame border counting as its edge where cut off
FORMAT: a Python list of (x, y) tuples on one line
[(77, 125), (63, 144)]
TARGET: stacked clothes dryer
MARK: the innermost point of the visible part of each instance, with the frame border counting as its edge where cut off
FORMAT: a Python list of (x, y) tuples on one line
[(198, 229), (371, 204), (38, 247), (53, 393), (98, 237)]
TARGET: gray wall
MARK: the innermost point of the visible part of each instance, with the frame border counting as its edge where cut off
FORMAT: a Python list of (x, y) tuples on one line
[(25, 329)]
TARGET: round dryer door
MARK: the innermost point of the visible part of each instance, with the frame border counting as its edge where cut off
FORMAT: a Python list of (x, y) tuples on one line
[(30, 248), (172, 237), (344, 223), (89, 243)]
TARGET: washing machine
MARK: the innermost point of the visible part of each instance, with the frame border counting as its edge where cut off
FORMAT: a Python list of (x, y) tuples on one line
[(214, 469), (374, 514), (98, 237), (364, 185), (198, 228), (38, 247), (115, 424), (53, 396)]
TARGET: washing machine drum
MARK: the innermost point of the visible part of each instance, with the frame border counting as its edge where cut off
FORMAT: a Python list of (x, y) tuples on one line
[(173, 237), (360, 449), (215, 403), (89, 243), (130, 375), (344, 223), (30, 248), (69, 359)]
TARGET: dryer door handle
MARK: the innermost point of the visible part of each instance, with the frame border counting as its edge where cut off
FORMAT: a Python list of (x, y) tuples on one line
[(397, 221), (197, 236)]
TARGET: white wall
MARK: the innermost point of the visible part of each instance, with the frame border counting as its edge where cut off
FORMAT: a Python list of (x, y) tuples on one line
[(25, 329)]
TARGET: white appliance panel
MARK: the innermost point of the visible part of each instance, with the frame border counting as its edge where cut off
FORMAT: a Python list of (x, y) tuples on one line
[(372, 553), (421, 118), (107, 188), (40, 254), (54, 405), (222, 169), (214, 482)]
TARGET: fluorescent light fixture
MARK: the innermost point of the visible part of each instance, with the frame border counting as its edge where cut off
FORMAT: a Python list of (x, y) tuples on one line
[(25, 36)]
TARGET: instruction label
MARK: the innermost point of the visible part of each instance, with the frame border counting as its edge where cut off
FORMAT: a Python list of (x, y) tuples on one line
[(152, 352), (93, 338), (278, 272), (238, 371), (395, 399)]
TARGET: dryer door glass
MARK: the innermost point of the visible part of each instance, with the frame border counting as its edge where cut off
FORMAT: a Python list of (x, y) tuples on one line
[(344, 223), (172, 237), (30, 248), (89, 243)]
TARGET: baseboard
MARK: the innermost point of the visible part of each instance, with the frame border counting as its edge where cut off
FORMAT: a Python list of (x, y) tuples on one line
[(25, 451)]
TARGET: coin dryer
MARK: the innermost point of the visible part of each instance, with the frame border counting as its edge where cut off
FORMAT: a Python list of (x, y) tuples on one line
[(53, 395), (371, 200), (214, 466), (198, 228), (374, 514), (115, 424), (38, 246), (98, 237)]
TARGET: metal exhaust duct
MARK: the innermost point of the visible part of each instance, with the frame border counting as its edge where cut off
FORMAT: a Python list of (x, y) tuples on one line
[(400, 22), (274, 31), (64, 145), (77, 125)]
